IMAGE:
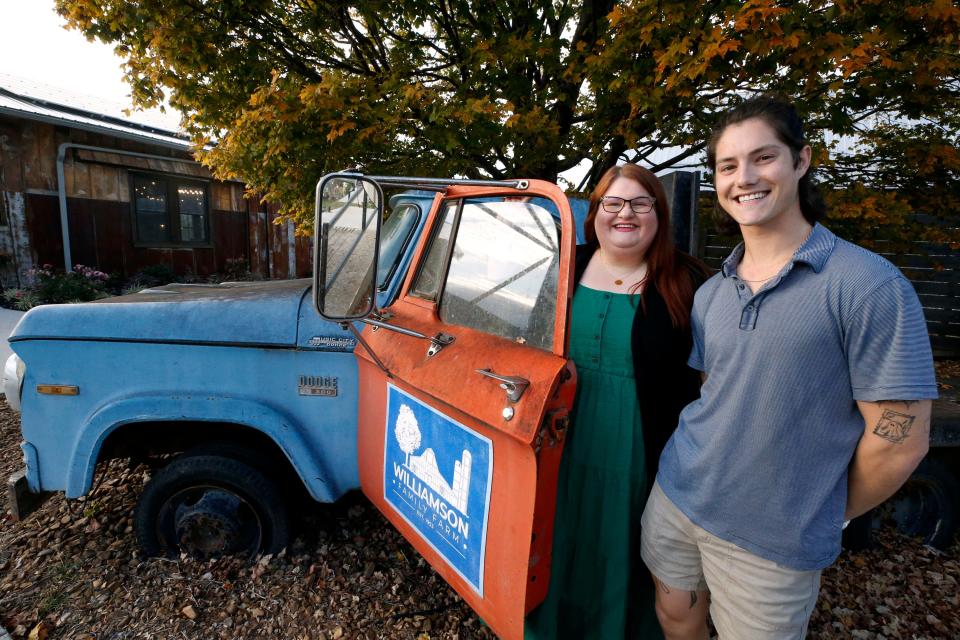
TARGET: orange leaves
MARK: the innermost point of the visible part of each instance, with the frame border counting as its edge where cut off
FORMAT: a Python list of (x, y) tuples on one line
[(867, 207), (673, 54), (474, 109), (414, 92), (941, 10), (721, 49), (759, 14), (615, 16), (338, 128)]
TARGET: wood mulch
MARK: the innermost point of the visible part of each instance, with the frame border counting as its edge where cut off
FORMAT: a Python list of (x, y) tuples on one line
[(72, 570)]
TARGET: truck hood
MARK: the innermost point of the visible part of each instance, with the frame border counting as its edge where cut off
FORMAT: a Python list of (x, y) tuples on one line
[(249, 313)]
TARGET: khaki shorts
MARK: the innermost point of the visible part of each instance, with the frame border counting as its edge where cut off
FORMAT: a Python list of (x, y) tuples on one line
[(750, 597)]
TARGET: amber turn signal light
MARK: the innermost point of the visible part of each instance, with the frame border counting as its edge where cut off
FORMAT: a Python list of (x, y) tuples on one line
[(58, 389)]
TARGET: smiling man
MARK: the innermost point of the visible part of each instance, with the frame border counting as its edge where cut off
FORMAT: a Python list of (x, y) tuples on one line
[(815, 406)]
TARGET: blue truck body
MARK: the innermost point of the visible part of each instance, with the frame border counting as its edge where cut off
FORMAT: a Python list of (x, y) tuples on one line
[(244, 355), (227, 354)]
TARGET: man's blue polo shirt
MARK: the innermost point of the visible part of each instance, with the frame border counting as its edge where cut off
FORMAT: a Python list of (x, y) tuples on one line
[(761, 458)]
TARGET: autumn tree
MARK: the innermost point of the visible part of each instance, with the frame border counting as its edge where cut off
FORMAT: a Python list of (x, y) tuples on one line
[(290, 90)]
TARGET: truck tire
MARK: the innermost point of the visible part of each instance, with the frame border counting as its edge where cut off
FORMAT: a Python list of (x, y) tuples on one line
[(928, 505), (234, 451), (208, 506)]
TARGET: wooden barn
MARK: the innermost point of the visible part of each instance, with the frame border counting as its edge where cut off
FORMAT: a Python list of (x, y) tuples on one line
[(81, 186)]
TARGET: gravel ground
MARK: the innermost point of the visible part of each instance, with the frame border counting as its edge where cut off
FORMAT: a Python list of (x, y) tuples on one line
[(72, 570)]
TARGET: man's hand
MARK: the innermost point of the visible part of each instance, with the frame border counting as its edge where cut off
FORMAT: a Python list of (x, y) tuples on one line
[(895, 439)]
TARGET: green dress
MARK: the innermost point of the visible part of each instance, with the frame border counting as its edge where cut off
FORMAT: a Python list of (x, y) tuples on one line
[(598, 587)]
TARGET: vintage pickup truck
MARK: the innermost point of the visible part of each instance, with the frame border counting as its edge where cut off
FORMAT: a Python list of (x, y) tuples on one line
[(251, 397), (425, 363)]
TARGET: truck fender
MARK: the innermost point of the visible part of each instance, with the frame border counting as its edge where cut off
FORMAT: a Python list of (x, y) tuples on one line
[(280, 428)]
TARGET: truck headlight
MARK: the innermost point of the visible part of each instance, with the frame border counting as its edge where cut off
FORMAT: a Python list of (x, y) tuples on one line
[(13, 372)]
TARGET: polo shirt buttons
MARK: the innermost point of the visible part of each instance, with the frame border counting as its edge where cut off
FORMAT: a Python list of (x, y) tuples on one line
[(748, 317)]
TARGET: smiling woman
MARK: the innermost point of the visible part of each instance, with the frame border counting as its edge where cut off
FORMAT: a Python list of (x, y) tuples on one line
[(629, 339)]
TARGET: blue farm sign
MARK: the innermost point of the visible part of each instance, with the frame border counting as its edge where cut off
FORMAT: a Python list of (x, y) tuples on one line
[(437, 475)]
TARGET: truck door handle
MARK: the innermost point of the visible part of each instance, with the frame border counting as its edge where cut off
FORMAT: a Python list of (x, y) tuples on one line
[(513, 385)]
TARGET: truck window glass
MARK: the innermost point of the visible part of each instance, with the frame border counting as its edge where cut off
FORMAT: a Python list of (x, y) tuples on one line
[(394, 235), (430, 274), (503, 273)]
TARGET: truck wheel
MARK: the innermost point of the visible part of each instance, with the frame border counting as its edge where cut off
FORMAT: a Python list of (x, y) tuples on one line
[(234, 451), (928, 505), (208, 506)]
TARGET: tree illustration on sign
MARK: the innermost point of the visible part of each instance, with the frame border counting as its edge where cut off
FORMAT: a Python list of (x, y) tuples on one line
[(407, 431)]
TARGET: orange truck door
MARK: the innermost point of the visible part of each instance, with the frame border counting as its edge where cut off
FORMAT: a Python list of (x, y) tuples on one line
[(460, 438)]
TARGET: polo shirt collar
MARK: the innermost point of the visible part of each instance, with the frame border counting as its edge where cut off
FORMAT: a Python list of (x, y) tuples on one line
[(817, 248), (814, 251)]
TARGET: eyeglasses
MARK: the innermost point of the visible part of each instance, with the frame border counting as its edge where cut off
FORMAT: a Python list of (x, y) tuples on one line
[(612, 204)]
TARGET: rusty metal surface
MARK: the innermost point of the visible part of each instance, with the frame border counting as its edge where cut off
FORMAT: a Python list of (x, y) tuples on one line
[(526, 451)]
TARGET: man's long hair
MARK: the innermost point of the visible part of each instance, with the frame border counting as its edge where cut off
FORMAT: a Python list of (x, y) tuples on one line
[(788, 127)]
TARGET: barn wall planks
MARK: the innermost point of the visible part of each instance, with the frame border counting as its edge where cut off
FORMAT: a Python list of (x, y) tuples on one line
[(97, 184)]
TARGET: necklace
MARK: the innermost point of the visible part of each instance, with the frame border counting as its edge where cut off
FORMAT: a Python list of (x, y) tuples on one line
[(805, 238), (618, 280), (760, 280)]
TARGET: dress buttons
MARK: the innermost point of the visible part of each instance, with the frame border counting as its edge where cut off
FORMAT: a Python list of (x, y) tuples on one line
[(749, 307), (741, 287)]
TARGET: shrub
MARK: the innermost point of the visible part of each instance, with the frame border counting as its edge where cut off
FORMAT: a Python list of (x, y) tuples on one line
[(135, 285), (155, 275), (21, 299), (53, 286), (235, 270)]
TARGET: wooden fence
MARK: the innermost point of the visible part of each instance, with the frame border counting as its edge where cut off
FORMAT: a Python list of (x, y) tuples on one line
[(933, 269)]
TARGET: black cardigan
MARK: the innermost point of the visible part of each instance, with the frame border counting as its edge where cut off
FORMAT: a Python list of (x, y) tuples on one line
[(665, 384)]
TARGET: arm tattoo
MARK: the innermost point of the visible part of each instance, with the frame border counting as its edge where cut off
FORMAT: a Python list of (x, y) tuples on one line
[(660, 584), (693, 599), (894, 426)]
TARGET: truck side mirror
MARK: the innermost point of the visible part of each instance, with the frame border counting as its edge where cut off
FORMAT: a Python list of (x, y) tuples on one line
[(346, 246)]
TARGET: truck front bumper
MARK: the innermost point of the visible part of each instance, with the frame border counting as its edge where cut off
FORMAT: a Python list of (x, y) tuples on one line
[(23, 502)]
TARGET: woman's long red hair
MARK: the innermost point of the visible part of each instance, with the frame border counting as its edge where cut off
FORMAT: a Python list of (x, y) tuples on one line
[(668, 268)]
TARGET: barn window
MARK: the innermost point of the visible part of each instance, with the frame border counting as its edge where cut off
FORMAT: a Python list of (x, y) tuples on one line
[(168, 210)]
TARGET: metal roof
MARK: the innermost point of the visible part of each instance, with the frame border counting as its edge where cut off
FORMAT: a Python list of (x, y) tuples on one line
[(44, 103)]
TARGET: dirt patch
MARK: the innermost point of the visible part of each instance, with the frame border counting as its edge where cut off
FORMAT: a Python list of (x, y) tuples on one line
[(74, 568)]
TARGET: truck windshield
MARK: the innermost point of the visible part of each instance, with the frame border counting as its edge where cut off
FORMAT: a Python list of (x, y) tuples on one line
[(394, 235)]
